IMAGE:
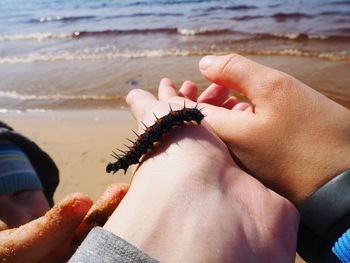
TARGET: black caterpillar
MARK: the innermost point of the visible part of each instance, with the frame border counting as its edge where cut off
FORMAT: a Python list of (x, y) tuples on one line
[(153, 134)]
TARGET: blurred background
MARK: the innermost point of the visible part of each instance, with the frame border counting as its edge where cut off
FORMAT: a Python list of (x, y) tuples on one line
[(78, 54)]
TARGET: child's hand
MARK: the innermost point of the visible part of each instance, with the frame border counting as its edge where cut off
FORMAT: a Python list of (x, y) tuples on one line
[(290, 137), (55, 236)]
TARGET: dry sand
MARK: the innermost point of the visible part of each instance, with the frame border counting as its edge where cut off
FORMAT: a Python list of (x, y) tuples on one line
[(80, 143)]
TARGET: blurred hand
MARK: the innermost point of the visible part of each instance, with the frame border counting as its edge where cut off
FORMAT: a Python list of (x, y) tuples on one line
[(190, 202), (55, 236), (290, 137)]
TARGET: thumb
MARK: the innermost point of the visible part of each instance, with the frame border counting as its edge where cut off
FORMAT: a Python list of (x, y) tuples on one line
[(101, 210), (33, 241), (96, 216), (241, 74)]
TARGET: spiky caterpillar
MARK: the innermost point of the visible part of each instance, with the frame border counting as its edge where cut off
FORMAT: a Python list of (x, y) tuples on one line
[(153, 134)]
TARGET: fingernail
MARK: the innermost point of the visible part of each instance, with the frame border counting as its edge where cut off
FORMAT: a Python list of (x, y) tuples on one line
[(205, 62)]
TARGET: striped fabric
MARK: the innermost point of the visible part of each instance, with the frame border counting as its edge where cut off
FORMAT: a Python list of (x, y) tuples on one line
[(342, 247), (16, 172)]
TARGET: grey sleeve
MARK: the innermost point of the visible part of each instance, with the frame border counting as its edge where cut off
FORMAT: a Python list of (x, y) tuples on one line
[(103, 246)]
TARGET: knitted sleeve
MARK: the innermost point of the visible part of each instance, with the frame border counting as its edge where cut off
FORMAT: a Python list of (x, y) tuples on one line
[(103, 246)]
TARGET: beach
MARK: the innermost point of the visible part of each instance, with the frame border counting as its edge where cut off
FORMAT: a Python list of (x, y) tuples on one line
[(81, 139), (67, 66), (80, 143)]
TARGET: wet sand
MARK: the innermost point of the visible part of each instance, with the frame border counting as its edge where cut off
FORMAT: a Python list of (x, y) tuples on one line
[(103, 84)]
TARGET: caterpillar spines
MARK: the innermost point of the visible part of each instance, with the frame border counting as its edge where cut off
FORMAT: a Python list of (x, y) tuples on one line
[(145, 141)]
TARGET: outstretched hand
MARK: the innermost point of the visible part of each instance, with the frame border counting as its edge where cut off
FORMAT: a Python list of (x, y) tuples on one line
[(55, 236), (189, 201), (290, 137)]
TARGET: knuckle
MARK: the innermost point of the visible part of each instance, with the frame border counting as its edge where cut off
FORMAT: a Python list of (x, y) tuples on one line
[(224, 68)]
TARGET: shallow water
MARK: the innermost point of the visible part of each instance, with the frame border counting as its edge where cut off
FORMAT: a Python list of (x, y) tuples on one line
[(37, 36)]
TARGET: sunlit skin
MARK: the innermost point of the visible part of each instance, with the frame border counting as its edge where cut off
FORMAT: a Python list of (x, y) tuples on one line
[(22, 207), (188, 195), (61, 228), (289, 136)]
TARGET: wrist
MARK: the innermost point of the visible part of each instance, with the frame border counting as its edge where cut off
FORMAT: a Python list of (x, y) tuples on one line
[(325, 215), (173, 214), (330, 167)]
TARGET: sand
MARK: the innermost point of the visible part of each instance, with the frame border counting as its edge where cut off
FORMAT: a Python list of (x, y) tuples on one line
[(80, 143)]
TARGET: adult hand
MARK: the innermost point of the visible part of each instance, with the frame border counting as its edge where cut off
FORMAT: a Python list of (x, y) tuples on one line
[(55, 236), (189, 201), (290, 137)]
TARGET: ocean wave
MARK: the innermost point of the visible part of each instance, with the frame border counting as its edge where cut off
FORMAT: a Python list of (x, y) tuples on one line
[(145, 14), (345, 2), (153, 2), (166, 30), (40, 36), (30, 110), (247, 17), (294, 36), (110, 53), (47, 36), (96, 53), (202, 31), (4, 110), (231, 7), (46, 19), (17, 96), (284, 16), (67, 19), (343, 34), (334, 56)]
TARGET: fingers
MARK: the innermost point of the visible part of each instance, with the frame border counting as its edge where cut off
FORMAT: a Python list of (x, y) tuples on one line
[(166, 89), (101, 210), (230, 102), (97, 216), (38, 238), (214, 95), (188, 90), (239, 73), (140, 102), (243, 106)]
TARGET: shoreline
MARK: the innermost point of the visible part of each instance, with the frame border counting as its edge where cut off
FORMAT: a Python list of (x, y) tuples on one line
[(80, 137), (103, 84)]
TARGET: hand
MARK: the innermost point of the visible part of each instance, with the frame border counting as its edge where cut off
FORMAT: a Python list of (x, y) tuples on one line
[(290, 137), (189, 201), (55, 236)]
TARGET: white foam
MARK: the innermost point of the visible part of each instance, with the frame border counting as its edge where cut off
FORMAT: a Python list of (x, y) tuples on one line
[(40, 36), (110, 52), (93, 54), (18, 96), (198, 31), (294, 36)]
